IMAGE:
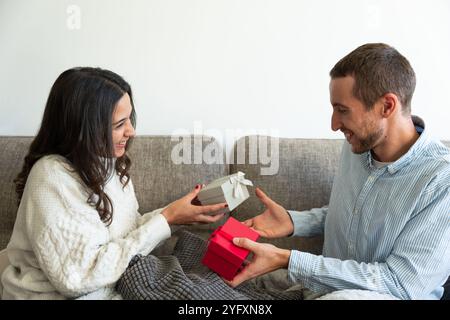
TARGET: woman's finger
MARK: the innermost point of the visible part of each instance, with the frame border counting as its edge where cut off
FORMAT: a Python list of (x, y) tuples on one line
[(210, 218), (194, 192), (211, 208)]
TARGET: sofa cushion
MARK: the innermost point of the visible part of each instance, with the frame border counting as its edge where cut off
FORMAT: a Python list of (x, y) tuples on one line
[(305, 175), (11, 161), (158, 180)]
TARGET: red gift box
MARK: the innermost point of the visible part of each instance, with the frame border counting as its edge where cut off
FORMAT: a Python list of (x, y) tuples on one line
[(222, 256)]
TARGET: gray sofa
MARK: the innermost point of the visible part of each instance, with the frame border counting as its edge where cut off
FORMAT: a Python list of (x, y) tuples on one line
[(303, 181), (304, 178)]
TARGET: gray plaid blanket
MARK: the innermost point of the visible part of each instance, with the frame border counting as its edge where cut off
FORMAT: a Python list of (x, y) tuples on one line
[(182, 276)]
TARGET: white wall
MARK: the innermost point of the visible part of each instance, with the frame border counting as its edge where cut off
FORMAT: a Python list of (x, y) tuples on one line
[(230, 64)]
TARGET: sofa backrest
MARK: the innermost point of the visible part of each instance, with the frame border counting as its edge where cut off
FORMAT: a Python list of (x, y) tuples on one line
[(303, 180)]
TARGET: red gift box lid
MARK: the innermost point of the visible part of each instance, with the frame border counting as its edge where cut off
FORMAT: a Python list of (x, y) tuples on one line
[(221, 241)]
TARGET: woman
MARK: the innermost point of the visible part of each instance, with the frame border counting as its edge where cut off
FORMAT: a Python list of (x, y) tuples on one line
[(78, 225)]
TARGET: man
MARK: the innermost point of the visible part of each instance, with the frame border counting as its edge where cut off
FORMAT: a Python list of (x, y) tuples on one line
[(387, 226)]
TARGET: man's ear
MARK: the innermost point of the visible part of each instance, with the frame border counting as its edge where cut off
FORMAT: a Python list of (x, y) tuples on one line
[(390, 104)]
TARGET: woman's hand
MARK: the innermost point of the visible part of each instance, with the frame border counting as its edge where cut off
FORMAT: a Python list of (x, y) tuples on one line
[(183, 211), (274, 222)]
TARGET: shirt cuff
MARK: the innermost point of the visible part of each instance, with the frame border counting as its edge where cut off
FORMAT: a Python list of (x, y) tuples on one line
[(156, 228), (150, 215), (301, 223), (302, 266)]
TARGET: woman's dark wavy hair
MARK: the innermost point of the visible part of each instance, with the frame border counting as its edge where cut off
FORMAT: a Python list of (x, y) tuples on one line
[(77, 124)]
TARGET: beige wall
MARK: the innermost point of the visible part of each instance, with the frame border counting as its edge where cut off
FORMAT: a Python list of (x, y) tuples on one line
[(222, 67)]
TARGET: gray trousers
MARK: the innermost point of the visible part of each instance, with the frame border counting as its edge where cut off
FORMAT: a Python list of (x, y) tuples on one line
[(278, 280)]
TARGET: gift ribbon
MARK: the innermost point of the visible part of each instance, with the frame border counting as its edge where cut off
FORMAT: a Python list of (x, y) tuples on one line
[(237, 181), (224, 234)]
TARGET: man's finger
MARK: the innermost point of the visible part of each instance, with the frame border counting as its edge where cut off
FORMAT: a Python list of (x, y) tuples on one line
[(242, 276), (263, 197), (245, 243)]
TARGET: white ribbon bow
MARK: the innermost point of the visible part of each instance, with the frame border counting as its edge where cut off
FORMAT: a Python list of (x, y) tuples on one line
[(237, 181)]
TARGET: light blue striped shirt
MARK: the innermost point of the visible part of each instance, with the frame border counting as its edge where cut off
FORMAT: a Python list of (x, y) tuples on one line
[(386, 229)]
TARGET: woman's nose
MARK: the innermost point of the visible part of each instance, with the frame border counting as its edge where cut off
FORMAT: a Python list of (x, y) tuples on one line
[(130, 132)]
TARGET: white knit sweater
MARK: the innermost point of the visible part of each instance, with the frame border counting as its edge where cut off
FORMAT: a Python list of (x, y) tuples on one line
[(59, 246)]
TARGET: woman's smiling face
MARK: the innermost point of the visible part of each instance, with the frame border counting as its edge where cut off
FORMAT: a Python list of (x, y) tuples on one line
[(122, 128)]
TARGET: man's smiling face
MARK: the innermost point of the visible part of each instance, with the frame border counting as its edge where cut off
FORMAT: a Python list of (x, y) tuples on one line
[(361, 127)]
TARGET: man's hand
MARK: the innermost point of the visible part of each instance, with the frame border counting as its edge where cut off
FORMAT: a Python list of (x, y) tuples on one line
[(184, 211), (266, 258), (274, 222)]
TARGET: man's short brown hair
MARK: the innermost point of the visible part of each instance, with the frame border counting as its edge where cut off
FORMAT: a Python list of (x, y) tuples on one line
[(378, 69)]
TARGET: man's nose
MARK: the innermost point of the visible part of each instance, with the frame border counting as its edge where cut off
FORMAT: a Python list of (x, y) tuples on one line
[(335, 122)]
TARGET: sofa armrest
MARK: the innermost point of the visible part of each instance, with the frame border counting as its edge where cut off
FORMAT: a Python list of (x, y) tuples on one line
[(4, 262)]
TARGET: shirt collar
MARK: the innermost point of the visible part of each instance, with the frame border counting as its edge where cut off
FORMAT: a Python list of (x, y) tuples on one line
[(415, 149)]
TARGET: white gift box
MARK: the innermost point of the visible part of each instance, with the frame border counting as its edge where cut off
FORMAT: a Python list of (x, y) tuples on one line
[(231, 189)]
